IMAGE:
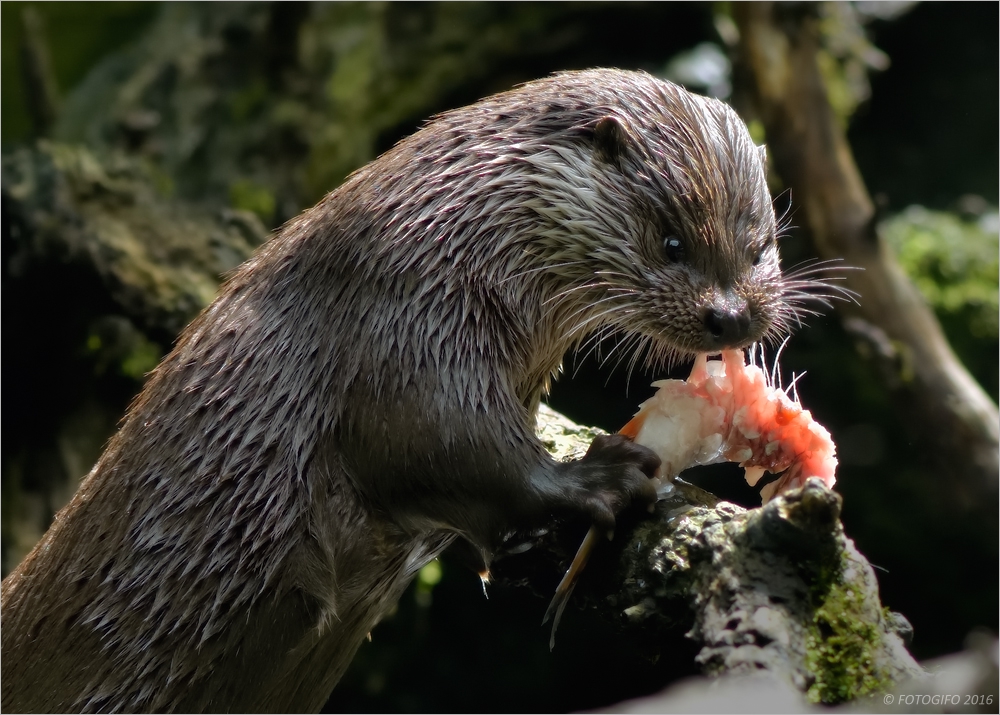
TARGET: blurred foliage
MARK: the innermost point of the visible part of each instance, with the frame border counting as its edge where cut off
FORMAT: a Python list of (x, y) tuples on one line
[(256, 104), (928, 135), (259, 200), (116, 344), (84, 33), (848, 57), (954, 261)]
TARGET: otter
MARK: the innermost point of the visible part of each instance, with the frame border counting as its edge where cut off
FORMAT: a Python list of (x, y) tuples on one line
[(363, 392)]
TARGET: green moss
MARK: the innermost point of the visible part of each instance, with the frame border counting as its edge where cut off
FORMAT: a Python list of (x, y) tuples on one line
[(427, 578), (842, 645), (954, 262), (248, 196), (430, 575), (839, 92), (248, 101), (120, 346), (142, 358), (162, 182)]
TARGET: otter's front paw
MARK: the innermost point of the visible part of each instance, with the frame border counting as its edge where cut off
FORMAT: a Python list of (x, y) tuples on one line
[(614, 473)]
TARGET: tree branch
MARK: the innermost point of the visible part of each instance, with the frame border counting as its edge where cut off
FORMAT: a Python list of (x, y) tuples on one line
[(956, 421)]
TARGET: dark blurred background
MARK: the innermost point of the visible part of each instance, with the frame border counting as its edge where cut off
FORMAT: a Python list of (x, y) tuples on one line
[(263, 108)]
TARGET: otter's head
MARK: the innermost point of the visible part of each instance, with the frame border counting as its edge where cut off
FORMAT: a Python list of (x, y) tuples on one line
[(657, 216)]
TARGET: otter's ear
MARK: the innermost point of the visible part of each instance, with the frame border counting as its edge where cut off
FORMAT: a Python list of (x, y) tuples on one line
[(610, 140)]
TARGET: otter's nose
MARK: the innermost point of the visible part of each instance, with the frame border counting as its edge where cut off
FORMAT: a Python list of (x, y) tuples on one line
[(727, 323)]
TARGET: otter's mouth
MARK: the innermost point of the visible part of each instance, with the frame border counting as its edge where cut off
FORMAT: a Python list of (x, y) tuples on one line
[(718, 331)]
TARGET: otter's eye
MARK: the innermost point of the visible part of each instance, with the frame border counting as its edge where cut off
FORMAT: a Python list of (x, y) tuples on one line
[(673, 249)]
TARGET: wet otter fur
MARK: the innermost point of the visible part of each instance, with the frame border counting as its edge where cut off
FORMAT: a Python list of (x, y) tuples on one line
[(363, 392)]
